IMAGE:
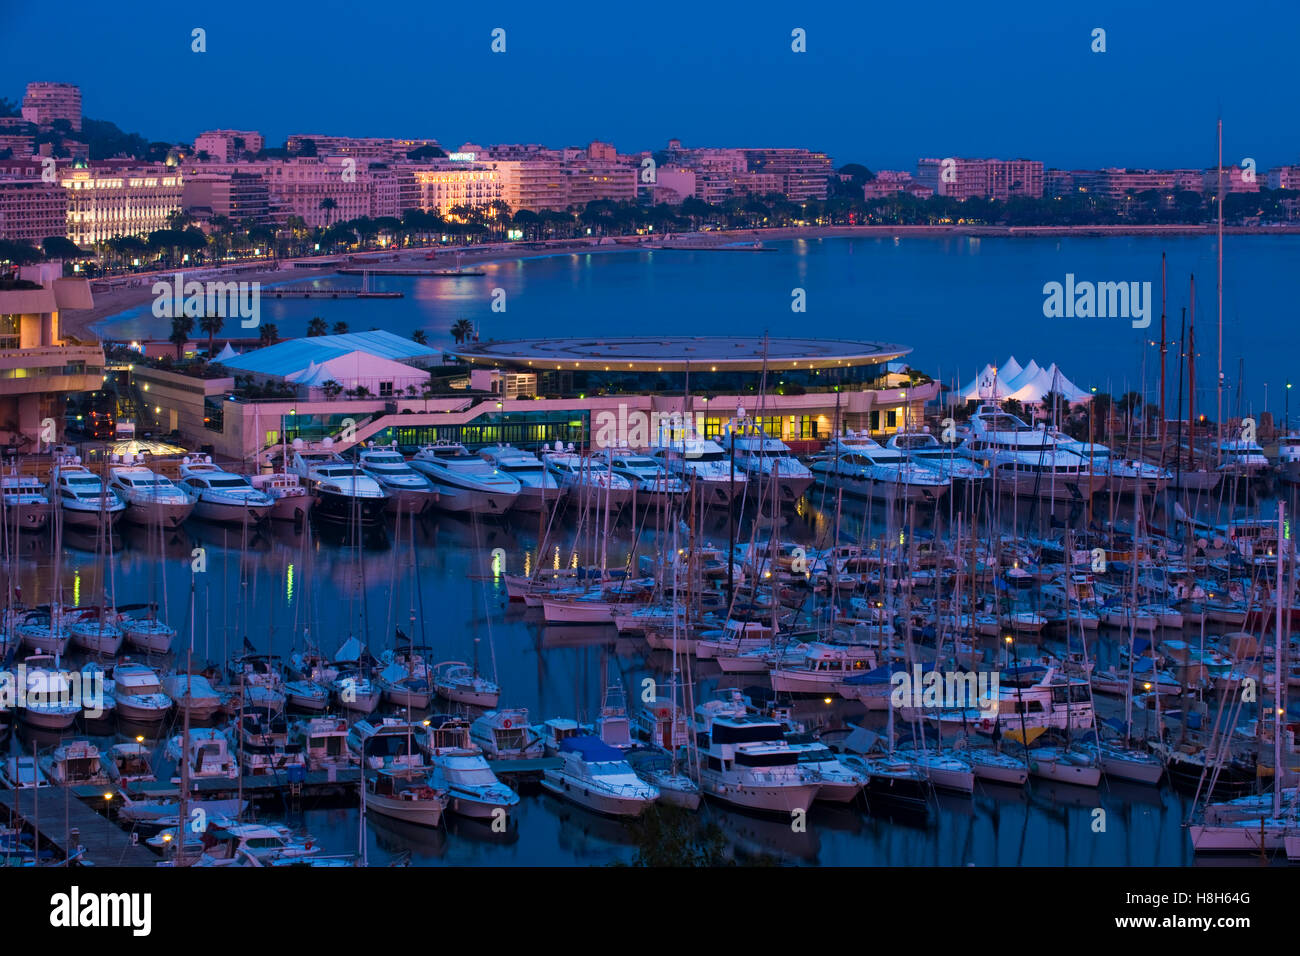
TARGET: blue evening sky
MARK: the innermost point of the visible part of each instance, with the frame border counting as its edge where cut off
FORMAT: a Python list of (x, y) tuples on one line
[(880, 83)]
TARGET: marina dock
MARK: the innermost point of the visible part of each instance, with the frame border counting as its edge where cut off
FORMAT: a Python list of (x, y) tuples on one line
[(446, 273), (65, 822), (330, 294)]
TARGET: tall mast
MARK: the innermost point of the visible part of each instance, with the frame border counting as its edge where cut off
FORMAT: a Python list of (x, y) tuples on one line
[(1278, 674), (1219, 411), (1191, 380), (1164, 345)]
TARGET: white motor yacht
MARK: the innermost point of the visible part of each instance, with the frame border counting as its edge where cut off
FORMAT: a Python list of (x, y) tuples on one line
[(707, 464), (765, 459), (538, 488), (27, 504), (460, 769), (223, 496), (343, 491), (193, 692), (466, 484), (208, 755), (1027, 461), (137, 693), (409, 492), (460, 683), (506, 735), (746, 761), (861, 467), (151, 499), (922, 448), (595, 775), (83, 500), (651, 484), (291, 502), (589, 480)]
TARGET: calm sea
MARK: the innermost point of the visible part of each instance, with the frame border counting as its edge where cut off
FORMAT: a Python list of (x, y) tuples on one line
[(959, 302)]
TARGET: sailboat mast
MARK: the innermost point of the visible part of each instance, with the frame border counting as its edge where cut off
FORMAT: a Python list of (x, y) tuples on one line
[(1279, 675), (1219, 411), (1164, 346)]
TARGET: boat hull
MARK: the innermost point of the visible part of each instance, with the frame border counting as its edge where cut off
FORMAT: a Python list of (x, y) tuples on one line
[(598, 801)]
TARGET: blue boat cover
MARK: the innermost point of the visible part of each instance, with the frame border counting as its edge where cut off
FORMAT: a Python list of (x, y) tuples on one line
[(881, 675), (592, 749)]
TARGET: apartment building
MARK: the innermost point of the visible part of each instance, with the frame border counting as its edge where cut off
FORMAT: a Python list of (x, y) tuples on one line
[(960, 178), (32, 210), (224, 145), (44, 103)]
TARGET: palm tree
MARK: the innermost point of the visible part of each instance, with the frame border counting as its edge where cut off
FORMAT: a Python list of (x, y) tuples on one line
[(340, 328), (211, 324), (461, 330), (269, 334), (317, 327), (419, 337), (329, 205), (182, 326), (331, 389)]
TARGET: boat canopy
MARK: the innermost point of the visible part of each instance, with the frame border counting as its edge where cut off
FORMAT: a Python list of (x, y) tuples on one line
[(591, 749)]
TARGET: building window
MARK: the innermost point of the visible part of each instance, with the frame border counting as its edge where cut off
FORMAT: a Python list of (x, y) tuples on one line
[(10, 331), (385, 389)]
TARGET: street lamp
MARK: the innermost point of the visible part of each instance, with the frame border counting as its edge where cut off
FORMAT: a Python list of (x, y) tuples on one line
[(1287, 425)]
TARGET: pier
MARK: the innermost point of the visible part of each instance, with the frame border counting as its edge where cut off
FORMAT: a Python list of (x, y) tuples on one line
[(314, 783), (436, 273), (330, 294), (63, 814)]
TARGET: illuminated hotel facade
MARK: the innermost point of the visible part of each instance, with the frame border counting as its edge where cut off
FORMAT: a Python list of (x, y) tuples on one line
[(121, 202)]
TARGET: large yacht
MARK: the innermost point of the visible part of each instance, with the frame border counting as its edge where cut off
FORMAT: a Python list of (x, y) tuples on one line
[(222, 495), (766, 459), (922, 448), (397, 771), (590, 480), (1123, 475), (460, 768), (597, 776), (151, 499), (707, 463), (343, 491), (650, 481), (1027, 461), (466, 483), (745, 759), (863, 468), (409, 492), (82, 497), (26, 503), (538, 488)]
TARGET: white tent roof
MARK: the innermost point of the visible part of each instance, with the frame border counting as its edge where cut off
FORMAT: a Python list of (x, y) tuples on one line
[(982, 387), (1024, 384), (1009, 369), (1066, 387), (226, 353), (1026, 376)]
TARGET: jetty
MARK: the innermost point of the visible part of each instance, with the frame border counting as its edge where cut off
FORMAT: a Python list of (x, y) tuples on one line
[(305, 293), (66, 823), (448, 273)]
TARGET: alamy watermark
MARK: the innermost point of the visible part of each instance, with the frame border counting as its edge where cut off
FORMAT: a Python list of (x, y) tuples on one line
[(1101, 300), (946, 690), (230, 300), (39, 687), (637, 429)]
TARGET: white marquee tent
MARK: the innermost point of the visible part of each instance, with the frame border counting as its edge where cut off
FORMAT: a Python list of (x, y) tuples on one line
[(1025, 384)]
